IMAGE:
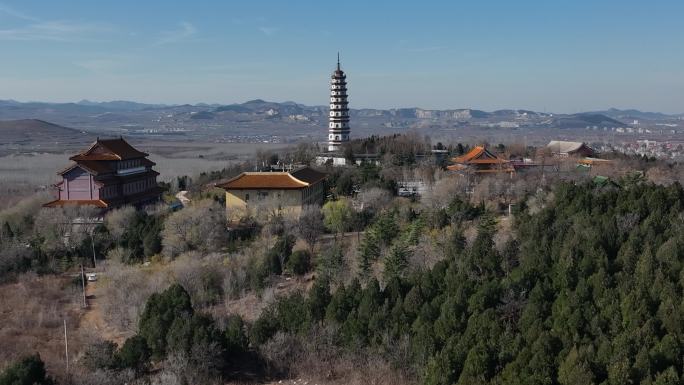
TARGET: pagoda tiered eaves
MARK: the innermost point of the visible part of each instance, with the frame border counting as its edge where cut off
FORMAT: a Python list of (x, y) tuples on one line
[(338, 121)]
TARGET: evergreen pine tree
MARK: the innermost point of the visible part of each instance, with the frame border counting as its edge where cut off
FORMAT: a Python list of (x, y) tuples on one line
[(369, 251), (7, 232), (396, 261)]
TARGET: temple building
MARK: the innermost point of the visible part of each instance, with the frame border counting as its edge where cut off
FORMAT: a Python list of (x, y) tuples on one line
[(109, 174), (565, 149), (480, 160), (338, 122), (265, 193)]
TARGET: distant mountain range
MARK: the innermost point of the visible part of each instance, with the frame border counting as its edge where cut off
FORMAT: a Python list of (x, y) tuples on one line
[(86, 106), (635, 114), (289, 119)]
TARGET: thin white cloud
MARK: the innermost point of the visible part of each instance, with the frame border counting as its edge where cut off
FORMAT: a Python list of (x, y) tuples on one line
[(9, 11), (184, 32), (37, 29), (103, 65), (57, 30), (268, 31)]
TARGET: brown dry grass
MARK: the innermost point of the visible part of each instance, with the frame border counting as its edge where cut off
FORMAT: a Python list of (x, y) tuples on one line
[(316, 359), (250, 305), (32, 312), (94, 322)]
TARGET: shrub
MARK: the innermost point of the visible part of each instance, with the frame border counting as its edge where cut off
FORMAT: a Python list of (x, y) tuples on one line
[(101, 355), (187, 332), (134, 354), (29, 371), (161, 310), (151, 244), (330, 263), (278, 256), (264, 327), (236, 339), (337, 215), (299, 262)]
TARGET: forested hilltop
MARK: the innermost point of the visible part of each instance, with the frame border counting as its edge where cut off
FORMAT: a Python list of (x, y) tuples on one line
[(588, 291), (563, 277)]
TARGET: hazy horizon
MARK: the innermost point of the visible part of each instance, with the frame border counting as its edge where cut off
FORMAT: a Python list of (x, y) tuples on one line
[(324, 105), (535, 55)]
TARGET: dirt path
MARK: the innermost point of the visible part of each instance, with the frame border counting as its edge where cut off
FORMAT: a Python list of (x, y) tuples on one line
[(182, 196), (94, 321)]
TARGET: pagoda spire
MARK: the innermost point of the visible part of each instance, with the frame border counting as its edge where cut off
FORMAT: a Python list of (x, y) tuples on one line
[(338, 120)]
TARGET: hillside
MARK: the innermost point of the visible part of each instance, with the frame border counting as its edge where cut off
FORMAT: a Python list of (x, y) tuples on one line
[(21, 127), (580, 284), (38, 135), (586, 120), (634, 114)]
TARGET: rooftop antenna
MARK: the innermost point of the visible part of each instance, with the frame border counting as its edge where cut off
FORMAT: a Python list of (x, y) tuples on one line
[(338, 60)]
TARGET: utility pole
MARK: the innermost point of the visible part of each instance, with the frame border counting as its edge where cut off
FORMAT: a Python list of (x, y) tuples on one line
[(83, 287), (92, 243), (66, 347)]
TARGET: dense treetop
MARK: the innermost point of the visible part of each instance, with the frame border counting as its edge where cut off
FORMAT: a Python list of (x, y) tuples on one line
[(588, 291)]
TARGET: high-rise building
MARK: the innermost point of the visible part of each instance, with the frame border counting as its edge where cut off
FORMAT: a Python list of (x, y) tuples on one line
[(338, 121)]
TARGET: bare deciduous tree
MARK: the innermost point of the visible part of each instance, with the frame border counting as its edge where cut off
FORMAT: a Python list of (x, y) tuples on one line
[(310, 225), (281, 353), (428, 252), (127, 289), (201, 277), (16, 214), (444, 191), (374, 198), (52, 227), (200, 226), (118, 220)]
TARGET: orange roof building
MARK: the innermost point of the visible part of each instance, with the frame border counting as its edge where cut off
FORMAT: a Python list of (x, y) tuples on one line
[(264, 193), (480, 160)]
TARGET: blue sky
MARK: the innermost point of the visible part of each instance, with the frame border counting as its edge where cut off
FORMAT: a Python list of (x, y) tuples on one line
[(553, 55)]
